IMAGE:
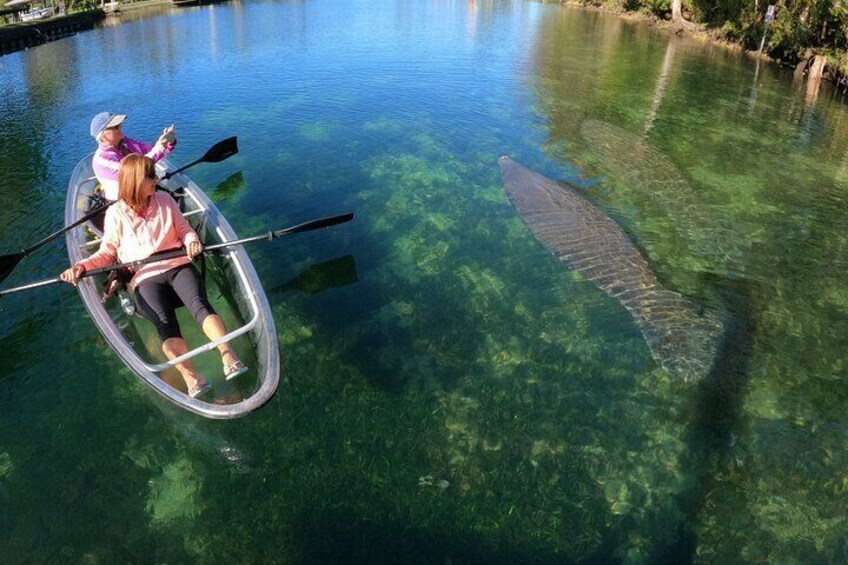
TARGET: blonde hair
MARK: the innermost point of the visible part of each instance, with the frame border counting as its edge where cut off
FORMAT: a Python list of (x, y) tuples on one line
[(135, 168)]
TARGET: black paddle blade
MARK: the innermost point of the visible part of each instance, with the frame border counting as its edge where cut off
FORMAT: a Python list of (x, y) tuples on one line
[(221, 150), (316, 224), (8, 264)]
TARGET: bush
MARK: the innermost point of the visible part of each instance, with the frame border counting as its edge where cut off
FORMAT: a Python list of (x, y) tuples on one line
[(658, 7)]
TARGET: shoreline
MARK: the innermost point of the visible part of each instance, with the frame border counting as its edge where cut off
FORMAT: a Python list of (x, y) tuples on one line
[(690, 30), (22, 35), (813, 68), (19, 36), (141, 5)]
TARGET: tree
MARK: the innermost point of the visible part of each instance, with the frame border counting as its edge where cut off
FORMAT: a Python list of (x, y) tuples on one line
[(677, 12)]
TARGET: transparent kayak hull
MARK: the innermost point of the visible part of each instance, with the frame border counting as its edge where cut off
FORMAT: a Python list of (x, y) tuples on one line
[(234, 290)]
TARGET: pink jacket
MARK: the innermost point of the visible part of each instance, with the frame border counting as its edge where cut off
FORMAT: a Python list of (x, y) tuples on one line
[(129, 237), (107, 161)]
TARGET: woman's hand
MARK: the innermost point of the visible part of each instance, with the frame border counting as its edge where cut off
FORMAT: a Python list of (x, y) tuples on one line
[(168, 137), (73, 274), (194, 249)]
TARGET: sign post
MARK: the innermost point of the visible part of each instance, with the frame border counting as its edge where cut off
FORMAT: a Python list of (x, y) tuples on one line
[(768, 20)]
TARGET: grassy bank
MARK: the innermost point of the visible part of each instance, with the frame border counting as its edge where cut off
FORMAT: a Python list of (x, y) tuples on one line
[(130, 6), (810, 36)]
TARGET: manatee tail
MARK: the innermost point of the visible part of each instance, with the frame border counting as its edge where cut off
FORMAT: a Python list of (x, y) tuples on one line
[(681, 339)]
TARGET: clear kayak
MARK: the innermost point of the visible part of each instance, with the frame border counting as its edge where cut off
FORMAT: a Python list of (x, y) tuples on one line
[(233, 289)]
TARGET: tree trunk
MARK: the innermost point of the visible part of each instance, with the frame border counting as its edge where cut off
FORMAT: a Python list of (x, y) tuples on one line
[(677, 11), (814, 77), (817, 68)]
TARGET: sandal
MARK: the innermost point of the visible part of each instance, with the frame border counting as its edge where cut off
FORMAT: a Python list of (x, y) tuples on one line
[(234, 369), (197, 390)]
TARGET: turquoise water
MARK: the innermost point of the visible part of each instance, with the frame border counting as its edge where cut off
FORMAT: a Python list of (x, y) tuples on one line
[(451, 392)]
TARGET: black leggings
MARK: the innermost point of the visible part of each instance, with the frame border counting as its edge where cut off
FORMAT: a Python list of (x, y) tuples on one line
[(158, 298)]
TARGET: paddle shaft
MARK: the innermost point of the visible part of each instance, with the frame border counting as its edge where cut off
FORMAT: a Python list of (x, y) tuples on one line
[(94, 213), (170, 254), (222, 150), (53, 236), (218, 152), (173, 253), (181, 169)]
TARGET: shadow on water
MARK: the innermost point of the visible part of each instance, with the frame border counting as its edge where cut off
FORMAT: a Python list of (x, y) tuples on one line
[(390, 353), (315, 279), (341, 536), (383, 347), (717, 409), (205, 436), (20, 335)]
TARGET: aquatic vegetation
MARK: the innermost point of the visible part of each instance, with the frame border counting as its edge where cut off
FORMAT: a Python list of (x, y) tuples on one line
[(518, 368), (229, 188), (385, 125), (770, 519), (5, 465), (316, 132), (295, 331), (485, 290), (420, 257), (764, 400), (174, 495), (236, 117), (416, 174)]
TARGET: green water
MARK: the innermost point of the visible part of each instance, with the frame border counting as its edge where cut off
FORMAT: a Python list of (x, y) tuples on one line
[(451, 392)]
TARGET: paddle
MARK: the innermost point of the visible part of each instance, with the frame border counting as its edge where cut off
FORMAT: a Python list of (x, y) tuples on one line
[(170, 254), (218, 152)]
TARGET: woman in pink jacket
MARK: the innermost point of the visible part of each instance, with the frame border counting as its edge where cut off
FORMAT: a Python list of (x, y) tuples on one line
[(144, 222)]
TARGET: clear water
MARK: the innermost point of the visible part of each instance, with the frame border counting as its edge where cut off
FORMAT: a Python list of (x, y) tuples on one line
[(452, 392)]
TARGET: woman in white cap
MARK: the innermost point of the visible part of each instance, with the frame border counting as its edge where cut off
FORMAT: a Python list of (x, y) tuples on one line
[(114, 146)]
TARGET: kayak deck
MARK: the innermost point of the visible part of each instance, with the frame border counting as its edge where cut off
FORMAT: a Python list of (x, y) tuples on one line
[(234, 291)]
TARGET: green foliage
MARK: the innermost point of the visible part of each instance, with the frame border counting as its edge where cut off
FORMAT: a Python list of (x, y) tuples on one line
[(716, 13), (799, 26), (81, 5), (658, 7)]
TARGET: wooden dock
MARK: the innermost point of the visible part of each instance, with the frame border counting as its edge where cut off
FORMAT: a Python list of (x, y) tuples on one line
[(17, 37)]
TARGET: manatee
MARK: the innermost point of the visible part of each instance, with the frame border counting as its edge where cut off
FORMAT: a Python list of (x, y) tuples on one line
[(652, 173), (681, 339)]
